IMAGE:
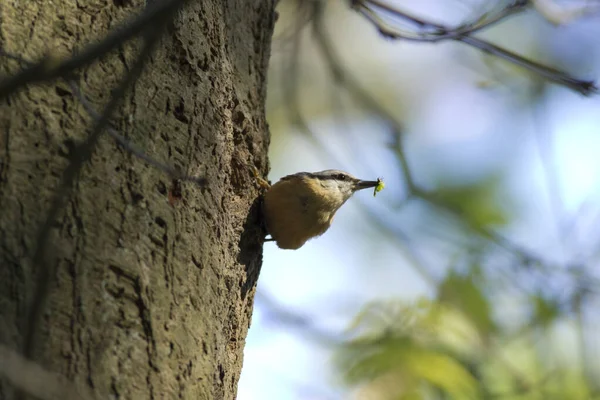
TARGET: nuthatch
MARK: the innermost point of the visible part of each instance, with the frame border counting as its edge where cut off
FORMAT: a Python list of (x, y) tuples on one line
[(301, 206)]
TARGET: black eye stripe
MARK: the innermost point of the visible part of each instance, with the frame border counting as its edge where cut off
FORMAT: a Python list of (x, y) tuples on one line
[(338, 177)]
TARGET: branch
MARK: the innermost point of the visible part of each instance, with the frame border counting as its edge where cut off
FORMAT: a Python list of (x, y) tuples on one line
[(429, 31), (353, 86), (439, 32), (120, 139), (525, 258), (51, 67), (130, 147), (297, 321)]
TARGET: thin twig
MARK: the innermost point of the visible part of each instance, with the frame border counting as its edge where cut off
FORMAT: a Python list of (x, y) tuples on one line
[(441, 32), (552, 74), (353, 86), (130, 147), (463, 33), (50, 68), (525, 256), (121, 141), (296, 320)]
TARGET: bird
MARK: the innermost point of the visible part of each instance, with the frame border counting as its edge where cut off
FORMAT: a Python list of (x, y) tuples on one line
[(301, 206)]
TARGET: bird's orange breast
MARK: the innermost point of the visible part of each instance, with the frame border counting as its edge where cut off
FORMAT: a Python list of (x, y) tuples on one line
[(294, 212)]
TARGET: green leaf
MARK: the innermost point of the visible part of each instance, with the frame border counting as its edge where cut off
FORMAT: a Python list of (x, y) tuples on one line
[(406, 361), (462, 293), (545, 311), (399, 353), (362, 361), (478, 204), (443, 372)]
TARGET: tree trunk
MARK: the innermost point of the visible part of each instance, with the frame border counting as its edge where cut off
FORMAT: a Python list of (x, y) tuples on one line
[(153, 279)]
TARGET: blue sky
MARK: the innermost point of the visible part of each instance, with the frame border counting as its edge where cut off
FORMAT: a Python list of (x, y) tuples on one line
[(460, 121)]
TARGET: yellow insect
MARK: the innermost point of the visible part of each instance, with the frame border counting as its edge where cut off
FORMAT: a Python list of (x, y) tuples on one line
[(379, 187)]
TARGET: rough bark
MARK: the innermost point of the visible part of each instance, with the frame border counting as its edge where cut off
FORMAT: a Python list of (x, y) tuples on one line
[(154, 282)]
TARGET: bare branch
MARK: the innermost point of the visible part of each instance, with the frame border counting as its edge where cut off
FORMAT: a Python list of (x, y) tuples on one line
[(130, 147), (562, 78), (438, 31), (50, 68), (299, 322), (362, 95), (121, 141), (434, 32)]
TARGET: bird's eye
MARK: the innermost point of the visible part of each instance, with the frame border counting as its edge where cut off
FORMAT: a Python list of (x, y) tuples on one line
[(341, 177)]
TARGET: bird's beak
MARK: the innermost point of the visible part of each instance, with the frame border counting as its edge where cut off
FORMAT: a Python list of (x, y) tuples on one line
[(365, 185)]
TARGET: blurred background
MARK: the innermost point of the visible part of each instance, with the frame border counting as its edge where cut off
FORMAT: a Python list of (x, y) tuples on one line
[(475, 272)]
